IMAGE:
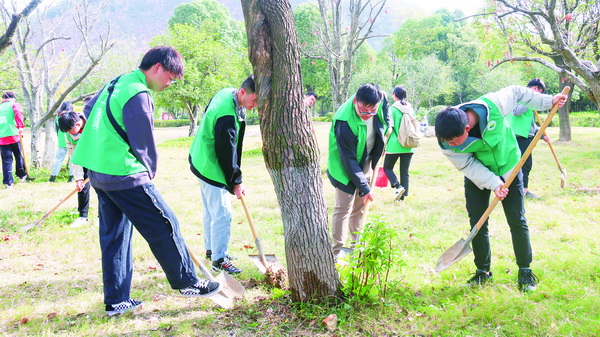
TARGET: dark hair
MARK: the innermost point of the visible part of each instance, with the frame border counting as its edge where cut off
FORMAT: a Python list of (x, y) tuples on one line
[(249, 85), (66, 106), (450, 123), (369, 94), (311, 93), (67, 120), (168, 57), (8, 95), (536, 82), (400, 93)]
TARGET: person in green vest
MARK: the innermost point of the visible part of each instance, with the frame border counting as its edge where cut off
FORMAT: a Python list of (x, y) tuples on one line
[(72, 123), (356, 143), (11, 131), (479, 142), (61, 151), (119, 151), (394, 149), (525, 127), (215, 158)]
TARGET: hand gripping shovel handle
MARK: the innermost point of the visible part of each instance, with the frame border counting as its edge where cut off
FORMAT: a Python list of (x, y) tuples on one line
[(261, 254), (524, 157), (37, 223)]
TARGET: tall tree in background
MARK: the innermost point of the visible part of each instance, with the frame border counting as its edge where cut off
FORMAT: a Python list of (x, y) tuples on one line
[(51, 65), (561, 35), (290, 149), (11, 21), (340, 40)]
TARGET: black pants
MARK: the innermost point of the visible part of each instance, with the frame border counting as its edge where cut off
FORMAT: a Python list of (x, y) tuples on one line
[(514, 210), (388, 166), (523, 144), (83, 197), (7, 153)]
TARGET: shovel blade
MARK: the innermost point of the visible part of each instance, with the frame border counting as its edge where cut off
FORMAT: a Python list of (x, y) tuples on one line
[(563, 178), (30, 226), (453, 254), (230, 287), (271, 261)]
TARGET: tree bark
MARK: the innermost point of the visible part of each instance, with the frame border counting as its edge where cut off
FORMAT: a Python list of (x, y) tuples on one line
[(5, 40), (289, 148)]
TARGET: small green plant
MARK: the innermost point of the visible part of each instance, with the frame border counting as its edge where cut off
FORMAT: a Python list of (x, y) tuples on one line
[(369, 266), (171, 123)]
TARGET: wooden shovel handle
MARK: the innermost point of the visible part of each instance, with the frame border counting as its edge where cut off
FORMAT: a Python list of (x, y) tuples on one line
[(261, 254), (23, 155), (524, 157), (537, 116)]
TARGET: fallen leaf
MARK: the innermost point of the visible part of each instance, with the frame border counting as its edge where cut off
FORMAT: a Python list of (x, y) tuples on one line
[(52, 315), (330, 322), (248, 247), (24, 320), (152, 267)]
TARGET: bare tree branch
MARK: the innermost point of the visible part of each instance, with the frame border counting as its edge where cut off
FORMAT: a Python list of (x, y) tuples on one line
[(12, 27)]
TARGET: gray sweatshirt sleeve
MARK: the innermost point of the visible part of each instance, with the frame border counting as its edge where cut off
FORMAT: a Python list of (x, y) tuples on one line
[(473, 169), (507, 99), (138, 118)]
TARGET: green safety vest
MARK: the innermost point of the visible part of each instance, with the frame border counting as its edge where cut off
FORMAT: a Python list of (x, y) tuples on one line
[(100, 148), (393, 145), (347, 113), (203, 152), (8, 127), (521, 124), (497, 148), (62, 141)]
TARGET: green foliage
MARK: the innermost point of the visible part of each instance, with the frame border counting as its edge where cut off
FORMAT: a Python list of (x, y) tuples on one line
[(579, 119), (369, 266), (170, 123), (252, 117), (433, 112), (327, 118), (425, 79)]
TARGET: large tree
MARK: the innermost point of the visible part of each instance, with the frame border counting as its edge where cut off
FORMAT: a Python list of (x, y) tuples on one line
[(289, 148), (13, 22), (54, 55), (561, 35)]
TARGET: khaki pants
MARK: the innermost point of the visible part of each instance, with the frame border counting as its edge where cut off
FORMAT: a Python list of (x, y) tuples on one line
[(347, 215)]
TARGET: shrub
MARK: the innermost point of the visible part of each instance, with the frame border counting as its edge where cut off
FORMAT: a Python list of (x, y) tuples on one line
[(327, 118), (366, 274), (252, 117), (170, 123), (433, 112)]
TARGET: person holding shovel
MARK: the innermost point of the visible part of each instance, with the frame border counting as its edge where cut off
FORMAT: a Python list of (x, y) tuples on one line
[(71, 123), (119, 151), (356, 143), (215, 158), (524, 126), (479, 141), (11, 131)]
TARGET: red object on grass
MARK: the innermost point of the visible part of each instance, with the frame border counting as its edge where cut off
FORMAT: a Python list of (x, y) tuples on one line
[(382, 180)]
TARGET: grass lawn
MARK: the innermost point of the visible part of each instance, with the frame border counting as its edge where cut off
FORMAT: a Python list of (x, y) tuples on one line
[(51, 284)]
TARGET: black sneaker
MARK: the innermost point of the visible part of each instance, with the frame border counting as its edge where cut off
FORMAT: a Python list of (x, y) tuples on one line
[(531, 195), (480, 277), (119, 308), (527, 280), (71, 179), (227, 256), (226, 265), (52, 179), (202, 288)]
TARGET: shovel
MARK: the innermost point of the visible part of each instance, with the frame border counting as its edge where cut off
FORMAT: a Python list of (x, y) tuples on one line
[(28, 178), (563, 171), (262, 261), (37, 223), (462, 248), (230, 288)]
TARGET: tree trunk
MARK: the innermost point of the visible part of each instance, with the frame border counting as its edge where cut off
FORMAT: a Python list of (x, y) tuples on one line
[(563, 113), (290, 150), (193, 114), (50, 143), (36, 137)]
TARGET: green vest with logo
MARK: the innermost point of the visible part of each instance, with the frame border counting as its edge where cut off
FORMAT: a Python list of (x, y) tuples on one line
[(347, 113), (203, 152), (521, 124), (8, 127), (100, 148), (497, 148)]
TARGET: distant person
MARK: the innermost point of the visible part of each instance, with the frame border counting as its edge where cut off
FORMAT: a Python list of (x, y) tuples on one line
[(72, 124), (62, 150), (11, 131), (477, 139), (119, 151), (523, 123), (309, 99), (395, 150), (424, 124), (356, 143), (215, 158)]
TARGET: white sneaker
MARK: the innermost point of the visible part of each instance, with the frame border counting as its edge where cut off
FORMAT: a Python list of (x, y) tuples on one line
[(79, 222), (9, 186), (24, 179), (399, 193)]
